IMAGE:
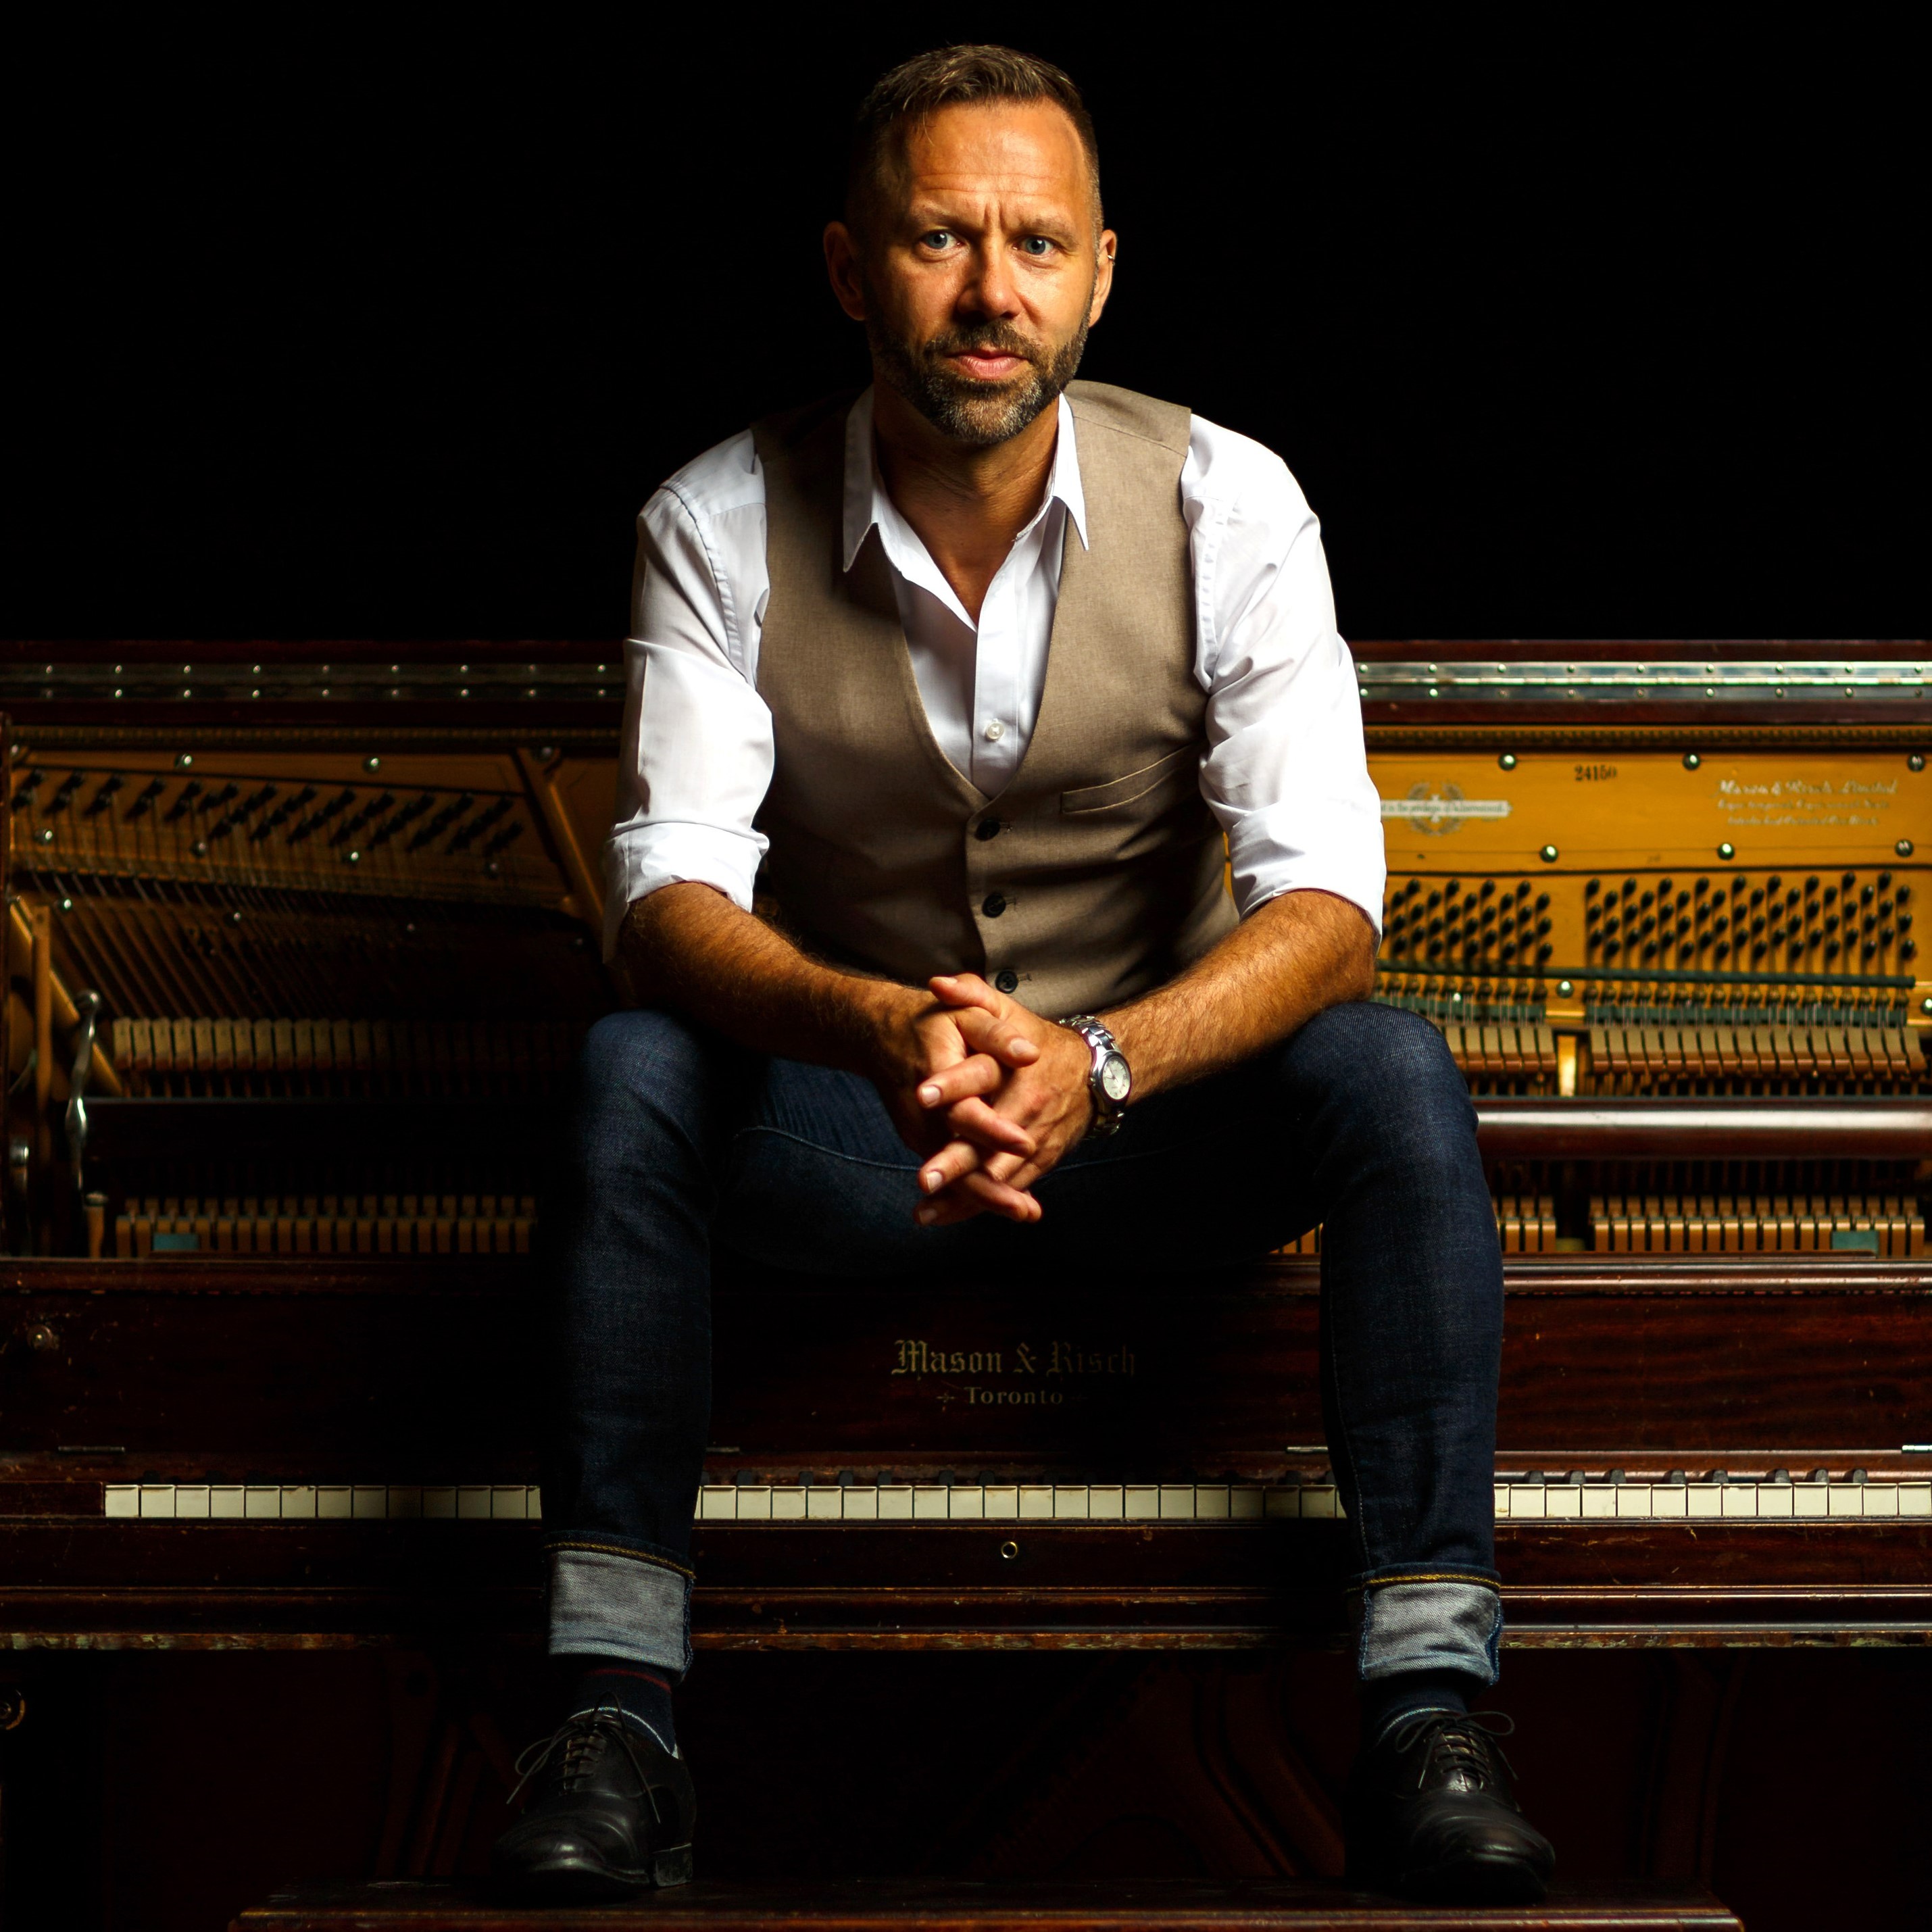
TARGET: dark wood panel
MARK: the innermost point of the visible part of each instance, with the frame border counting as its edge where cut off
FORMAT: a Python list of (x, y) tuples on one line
[(943, 1905), (396, 1371), (1174, 1585)]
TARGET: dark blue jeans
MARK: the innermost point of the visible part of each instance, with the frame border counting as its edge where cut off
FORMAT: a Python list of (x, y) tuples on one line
[(677, 1139)]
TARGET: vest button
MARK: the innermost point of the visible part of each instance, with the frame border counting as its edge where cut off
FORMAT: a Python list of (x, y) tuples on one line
[(987, 828), (993, 904), (1006, 980)]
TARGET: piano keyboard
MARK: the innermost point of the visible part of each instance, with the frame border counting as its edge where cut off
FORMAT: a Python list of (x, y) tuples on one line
[(1667, 1224), (1780, 1499)]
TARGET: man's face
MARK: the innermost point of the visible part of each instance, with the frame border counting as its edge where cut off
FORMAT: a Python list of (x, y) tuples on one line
[(984, 270)]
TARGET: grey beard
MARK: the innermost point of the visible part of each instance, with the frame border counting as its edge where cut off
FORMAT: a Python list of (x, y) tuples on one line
[(977, 414)]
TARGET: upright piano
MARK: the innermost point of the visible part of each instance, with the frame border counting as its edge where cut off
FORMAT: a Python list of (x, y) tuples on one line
[(300, 938)]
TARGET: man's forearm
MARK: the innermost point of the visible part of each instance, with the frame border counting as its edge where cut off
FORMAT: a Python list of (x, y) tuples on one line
[(689, 947), (1274, 972)]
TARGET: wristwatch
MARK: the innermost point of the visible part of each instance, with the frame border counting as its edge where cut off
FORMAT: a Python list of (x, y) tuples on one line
[(1109, 1080)]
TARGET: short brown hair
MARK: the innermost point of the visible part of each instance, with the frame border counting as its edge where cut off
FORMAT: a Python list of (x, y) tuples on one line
[(947, 77)]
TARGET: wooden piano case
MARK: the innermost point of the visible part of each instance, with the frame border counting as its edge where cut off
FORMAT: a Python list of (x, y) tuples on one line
[(299, 942)]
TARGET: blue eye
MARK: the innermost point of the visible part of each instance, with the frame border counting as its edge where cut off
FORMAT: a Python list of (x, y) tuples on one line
[(936, 238), (1036, 245)]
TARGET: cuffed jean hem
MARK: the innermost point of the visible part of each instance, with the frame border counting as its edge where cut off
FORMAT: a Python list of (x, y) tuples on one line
[(606, 1601), (1431, 1619)]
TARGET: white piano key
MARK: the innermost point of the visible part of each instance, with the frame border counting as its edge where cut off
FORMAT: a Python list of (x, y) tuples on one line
[(1069, 1502), (507, 1502), (1774, 1499), (1003, 1500), (1036, 1502), (1210, 1502), (157, 1500), (717, 1502), (1142, 1501), (1244, 1503), (1281, 1502), (1106, 1502), (224, 1501), (966, 1502), (1176, 1502), (862, 1504), (1526, 1501), (787, 1502), (261, 1501), (1319, 1502), (1632, 1499), (406, 1502), (122, 1499), (1845, 1499), (1809, 1499), (1669, 1500), (895, 1502), (1562, 1499), (754, 1503), (1740, 1499), (332, 1502), (1881, 1499), (824, 1502), (928, 1502), (370, 1502), (1599, 1500), (533, 1504), (440, 1501), (1502, 1503), (1707, 1500), (297, 1502), (1914, 1498), (191, 1501)]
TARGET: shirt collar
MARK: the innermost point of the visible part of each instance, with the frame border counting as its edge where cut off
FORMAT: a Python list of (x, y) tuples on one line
[(867, 506)]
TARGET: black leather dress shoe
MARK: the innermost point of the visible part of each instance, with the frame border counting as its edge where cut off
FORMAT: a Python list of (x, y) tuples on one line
[(1430, 1813), (610, 1813)]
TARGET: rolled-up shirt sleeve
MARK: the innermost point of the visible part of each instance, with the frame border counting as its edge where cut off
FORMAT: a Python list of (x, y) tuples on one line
[(1286, 771), (695, 756)]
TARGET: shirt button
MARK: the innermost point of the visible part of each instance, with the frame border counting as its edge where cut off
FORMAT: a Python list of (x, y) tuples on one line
[(987, 828), (995, 731), (1006, 980), (993, 904)]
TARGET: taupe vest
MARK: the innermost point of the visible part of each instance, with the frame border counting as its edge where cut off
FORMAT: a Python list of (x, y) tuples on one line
[(1096, 874)]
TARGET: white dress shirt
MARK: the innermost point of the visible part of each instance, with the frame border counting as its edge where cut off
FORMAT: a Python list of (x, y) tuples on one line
[(1284, 772)]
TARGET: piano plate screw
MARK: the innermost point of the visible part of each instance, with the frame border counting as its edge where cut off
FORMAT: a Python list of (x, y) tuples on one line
[(1010, 1550), (42, 1340), (1904, 848), (1727, 850), (47, 836), (1691, 761), (1548, 855), (1507, 761), (355, 858), (1916, 762), (1564, 990), (372, 763), (1925, 1005)]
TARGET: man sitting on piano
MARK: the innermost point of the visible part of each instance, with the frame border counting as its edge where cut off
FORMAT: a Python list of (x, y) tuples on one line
[(949, 707)]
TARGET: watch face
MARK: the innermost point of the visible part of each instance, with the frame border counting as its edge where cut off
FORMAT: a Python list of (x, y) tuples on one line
[(1115, 1079)]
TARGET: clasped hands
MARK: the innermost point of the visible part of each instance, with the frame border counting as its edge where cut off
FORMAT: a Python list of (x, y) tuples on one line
[(989, 1095)]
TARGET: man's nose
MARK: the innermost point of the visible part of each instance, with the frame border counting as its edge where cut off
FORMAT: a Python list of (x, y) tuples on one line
[(991, 290)]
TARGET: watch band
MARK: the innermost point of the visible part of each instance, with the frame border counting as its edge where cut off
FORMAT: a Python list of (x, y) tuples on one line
[(1108, 1112)]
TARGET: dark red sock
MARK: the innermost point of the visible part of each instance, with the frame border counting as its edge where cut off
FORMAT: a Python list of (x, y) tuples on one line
[(642, 1693)]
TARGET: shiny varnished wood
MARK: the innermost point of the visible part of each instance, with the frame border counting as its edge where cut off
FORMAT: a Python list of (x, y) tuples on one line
[(956, 1906)]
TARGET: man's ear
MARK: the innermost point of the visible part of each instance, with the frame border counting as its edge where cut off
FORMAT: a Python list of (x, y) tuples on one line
[(843, 266), (1103, 276)]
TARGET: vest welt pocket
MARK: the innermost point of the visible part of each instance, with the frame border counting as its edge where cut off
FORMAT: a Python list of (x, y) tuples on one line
[(1170, 772)]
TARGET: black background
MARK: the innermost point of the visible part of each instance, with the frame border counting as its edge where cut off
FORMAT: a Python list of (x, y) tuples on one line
[(1601, 327)]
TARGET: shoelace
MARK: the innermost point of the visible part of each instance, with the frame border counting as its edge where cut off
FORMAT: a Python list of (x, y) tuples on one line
[(584, 1738), (1457, 1740)]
